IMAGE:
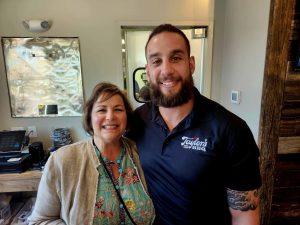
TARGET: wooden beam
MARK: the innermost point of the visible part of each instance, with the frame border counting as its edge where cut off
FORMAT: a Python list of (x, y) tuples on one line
[(281, 14)]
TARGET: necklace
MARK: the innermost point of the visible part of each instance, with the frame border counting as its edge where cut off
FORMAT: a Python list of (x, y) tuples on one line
[(117, 162), (119, 159), (109, 163)]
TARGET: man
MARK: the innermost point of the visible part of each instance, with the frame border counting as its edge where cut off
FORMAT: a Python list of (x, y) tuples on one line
[(200, 161)]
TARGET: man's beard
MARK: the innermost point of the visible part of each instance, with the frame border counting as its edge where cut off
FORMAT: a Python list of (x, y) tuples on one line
[(168, 101)]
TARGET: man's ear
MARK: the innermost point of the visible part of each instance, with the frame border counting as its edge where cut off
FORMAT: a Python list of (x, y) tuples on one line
[(147, 72), (192, 64)]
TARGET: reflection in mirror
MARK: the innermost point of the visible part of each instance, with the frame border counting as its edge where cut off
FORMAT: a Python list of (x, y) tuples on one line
[(141, 85), (43, 76)]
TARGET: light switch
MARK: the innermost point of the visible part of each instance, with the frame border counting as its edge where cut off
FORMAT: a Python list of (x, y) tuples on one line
[(235, 97)]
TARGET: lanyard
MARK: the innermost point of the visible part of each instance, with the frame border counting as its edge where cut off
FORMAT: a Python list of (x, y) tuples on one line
[(117, 191)]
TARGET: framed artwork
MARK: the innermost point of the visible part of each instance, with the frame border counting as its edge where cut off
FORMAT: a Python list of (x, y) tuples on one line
[(43, 76)]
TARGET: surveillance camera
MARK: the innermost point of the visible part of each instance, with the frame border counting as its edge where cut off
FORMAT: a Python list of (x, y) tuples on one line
[(36, 26)]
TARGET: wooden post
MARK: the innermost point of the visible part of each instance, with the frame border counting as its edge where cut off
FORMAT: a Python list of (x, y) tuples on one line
[(281, 15)]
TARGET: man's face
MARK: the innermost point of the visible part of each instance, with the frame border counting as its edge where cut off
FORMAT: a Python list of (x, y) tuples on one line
[(169, 70)]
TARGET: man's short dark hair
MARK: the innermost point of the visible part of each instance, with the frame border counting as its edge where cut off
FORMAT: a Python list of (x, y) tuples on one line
[(168, 28)]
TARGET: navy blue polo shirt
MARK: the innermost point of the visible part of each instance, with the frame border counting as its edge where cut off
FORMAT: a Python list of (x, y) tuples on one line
[(189, 168)]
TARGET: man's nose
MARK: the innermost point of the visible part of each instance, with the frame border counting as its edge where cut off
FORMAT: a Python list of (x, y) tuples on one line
[(167, 68)]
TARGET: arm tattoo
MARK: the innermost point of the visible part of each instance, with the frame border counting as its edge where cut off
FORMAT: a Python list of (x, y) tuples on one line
[(242, 200)]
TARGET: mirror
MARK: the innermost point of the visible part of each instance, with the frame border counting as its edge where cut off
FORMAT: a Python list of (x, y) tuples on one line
[(141, 85), (43, 76)]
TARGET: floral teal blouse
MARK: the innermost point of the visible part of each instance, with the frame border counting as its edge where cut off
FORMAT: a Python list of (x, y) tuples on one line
[(108, 208)]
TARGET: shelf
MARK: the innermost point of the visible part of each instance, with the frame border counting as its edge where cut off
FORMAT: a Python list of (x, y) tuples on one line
[(19, 182), (292, 74)]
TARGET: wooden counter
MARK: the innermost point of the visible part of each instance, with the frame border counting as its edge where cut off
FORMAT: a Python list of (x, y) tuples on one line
[(19, 182)]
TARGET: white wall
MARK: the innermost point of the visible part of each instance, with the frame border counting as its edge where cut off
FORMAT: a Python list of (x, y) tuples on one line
[(240, 34), (242, 56), (97, 24)]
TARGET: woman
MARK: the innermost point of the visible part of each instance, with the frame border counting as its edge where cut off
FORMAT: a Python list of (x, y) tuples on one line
[(81, 181)]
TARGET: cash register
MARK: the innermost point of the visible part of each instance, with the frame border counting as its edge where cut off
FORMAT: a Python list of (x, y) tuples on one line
[(12, 160)]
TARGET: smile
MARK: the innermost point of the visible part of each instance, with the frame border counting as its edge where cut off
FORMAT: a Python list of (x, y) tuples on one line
[(110, 126), (169, 83)]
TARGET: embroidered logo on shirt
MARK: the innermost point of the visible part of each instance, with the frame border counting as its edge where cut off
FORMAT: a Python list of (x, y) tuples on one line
[(194, 143)]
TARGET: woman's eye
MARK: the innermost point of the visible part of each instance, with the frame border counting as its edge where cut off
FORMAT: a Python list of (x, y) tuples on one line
[(119, 110), (101, 110)]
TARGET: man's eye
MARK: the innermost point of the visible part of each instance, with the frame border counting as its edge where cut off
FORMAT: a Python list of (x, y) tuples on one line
[(156, 62), (176, 58)]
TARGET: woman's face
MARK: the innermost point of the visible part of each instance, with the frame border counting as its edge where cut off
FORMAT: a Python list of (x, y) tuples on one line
[(109, 119)]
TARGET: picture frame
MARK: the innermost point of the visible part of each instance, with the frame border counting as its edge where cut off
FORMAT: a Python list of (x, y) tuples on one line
[(43, 76)]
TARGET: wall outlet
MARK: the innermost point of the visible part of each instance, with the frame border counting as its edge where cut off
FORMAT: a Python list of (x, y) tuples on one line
[(32, 131)]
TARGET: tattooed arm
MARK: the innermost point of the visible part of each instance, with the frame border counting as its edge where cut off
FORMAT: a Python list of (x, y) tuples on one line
[(244, 207)]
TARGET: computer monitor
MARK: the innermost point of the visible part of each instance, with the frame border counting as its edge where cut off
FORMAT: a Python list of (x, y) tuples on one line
[(11, 143)]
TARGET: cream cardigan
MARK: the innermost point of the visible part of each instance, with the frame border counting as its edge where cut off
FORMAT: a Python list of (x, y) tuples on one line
[(68, 187)]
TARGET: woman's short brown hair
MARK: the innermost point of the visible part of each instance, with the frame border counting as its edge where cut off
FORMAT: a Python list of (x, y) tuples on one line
[(109, 90)]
